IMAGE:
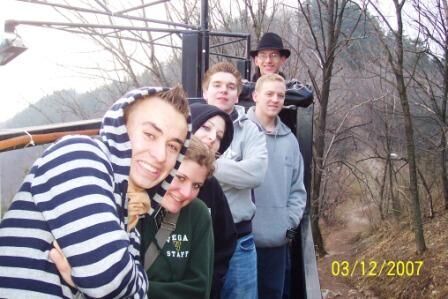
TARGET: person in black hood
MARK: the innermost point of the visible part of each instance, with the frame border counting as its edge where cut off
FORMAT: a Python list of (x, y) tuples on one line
[(215, 129), (203, 113)]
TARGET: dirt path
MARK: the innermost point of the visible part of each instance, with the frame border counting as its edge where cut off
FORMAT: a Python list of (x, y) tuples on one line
[(340, 245)]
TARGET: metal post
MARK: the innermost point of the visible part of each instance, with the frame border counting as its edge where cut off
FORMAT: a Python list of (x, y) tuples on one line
[(304, 133), (191, 64), (205, 47), (248, 65), (243, 66), (304, 268)]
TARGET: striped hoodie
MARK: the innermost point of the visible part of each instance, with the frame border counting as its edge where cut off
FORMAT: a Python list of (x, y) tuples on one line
[(76, 194)]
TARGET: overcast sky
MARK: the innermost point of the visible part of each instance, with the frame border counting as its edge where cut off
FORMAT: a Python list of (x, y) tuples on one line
[(52, 61)]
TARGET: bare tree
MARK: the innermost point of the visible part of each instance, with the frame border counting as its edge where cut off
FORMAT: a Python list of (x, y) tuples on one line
[(132, 52), (328, 41), (395, 56), (431, 21), (385, 113)]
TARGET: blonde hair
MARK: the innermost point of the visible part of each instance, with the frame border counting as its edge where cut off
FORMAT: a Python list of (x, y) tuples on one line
[(222, 67), (268, 78), (199, 153)]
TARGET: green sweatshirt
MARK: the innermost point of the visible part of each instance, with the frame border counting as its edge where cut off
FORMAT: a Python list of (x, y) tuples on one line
[(184, 268)]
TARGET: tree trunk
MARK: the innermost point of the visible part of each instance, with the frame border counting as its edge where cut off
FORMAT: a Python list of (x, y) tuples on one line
[(389, 165), (444, 170), (444, 107), (428, 191), (332, 34), (383, 187), (317, 181), (410, 147), (396, 209), (319, 150)]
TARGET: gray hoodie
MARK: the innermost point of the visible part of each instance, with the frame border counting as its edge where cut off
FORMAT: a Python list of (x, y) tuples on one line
[(281, 198), (242, 166)]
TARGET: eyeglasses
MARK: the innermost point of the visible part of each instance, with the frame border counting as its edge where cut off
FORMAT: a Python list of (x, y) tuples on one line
[(272, 56)]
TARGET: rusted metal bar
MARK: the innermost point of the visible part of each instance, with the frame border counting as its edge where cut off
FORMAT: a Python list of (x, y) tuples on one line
[(11, 139)]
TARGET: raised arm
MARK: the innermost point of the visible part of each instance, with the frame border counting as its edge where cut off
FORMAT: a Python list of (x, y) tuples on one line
[(249, 169)]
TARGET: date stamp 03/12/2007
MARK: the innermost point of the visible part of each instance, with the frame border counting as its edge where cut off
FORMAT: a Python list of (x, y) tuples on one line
[(374, 268)]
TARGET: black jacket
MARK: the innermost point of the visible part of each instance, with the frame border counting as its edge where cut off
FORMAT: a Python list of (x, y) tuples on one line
[(223, 229), (257, 74)]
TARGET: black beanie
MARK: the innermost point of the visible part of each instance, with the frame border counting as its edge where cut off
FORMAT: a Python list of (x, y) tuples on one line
[(200, 113)]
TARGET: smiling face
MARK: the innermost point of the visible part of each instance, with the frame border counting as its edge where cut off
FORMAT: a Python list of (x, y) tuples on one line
[(269, 97), (211, 132), (269, 61), (222, 91), (156, 131), (185, 186)]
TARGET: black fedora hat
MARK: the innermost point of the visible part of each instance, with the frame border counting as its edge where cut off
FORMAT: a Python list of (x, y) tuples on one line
[(271, 41)]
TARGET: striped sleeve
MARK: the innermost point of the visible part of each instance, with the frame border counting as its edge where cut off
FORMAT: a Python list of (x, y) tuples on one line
[(73, 188)]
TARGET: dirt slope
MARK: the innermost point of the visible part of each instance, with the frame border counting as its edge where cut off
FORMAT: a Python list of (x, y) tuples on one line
[(341, 245), (352, 240)]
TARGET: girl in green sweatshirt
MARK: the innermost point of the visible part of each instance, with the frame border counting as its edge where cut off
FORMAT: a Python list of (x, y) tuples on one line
[(184, 266)]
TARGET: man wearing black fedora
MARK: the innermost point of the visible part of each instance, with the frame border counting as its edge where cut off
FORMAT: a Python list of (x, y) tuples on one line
[(269, 56)]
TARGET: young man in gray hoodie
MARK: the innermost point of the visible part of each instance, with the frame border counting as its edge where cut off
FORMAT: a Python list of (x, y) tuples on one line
[(281, 198), (240, 168)]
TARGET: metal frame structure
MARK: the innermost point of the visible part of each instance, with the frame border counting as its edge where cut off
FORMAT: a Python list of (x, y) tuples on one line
[(195, 39), (195, 61)]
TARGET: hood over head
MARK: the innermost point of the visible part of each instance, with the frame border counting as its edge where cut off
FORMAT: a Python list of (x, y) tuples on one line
[(114, 135), (200, 113)]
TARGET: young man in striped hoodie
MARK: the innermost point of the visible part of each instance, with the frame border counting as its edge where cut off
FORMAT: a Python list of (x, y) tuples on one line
[(75, 196)]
